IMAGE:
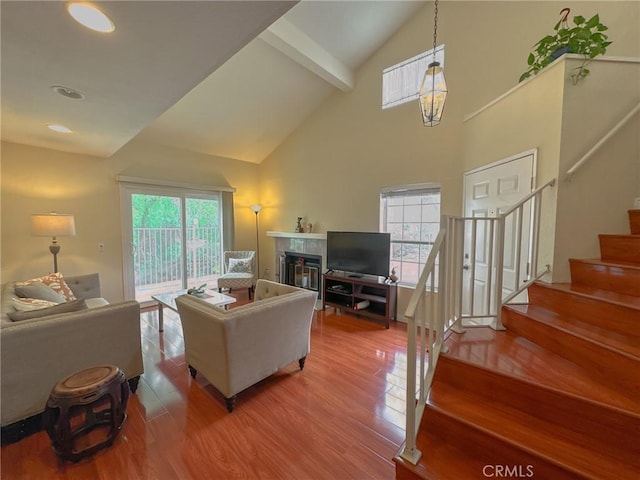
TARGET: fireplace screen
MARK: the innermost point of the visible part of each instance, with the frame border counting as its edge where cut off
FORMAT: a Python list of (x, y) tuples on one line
[(301, 270)]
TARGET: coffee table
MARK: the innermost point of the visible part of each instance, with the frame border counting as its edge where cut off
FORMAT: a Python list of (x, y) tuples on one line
[(169, 300)]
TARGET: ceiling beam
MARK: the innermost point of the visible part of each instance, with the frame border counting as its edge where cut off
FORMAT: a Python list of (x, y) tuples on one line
[(294, 43)]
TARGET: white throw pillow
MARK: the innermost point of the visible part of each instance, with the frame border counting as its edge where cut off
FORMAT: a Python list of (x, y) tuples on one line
[(239, 265)]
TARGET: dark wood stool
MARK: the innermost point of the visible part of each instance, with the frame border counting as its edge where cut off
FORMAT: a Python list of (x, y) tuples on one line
[(81, 403)]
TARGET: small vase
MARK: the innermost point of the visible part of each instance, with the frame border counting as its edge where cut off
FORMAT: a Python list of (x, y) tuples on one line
[(393, 277), (299, 228)]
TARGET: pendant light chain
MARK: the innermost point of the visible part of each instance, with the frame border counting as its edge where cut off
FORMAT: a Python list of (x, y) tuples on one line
[(435, 29), (433, 91)]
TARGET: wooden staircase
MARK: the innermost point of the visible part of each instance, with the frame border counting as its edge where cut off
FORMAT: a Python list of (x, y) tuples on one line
[(556, 395)]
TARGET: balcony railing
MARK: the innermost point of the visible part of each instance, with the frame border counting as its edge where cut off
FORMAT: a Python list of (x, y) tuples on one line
[(159, 259)]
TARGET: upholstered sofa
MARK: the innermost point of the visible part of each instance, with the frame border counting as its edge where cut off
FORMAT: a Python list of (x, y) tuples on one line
[(36, 353), (237, 348)]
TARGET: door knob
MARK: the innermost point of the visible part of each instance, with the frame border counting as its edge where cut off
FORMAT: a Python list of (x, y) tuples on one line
[(465, 267)]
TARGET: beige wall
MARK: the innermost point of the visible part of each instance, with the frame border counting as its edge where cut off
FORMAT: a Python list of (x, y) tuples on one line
[(530, 116), (598, 196), (329, 171), (36, 180), (563, 121)]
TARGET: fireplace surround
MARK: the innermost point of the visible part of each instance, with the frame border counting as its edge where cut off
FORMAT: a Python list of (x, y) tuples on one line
[(307, 259)]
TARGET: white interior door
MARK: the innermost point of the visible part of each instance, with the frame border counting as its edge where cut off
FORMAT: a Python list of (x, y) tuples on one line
[(488, 192)]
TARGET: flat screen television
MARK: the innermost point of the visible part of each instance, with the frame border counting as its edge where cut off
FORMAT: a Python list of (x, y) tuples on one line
[(359, 253)]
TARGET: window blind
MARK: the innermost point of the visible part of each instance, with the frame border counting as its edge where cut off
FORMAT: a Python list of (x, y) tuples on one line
[(401, 82)]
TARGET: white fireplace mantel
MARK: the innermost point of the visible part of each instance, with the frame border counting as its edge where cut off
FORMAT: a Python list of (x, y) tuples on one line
[(314, 236)]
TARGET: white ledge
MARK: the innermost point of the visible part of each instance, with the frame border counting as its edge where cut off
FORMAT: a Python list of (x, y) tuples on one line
[(557, 61), (316, 236)]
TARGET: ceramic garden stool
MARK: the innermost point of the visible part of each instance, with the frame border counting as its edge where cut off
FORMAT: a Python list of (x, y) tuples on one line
[(82, 405)]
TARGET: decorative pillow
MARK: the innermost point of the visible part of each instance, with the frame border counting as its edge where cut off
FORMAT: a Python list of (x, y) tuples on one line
[(72, 306), (40, 291), (55, 281), (29, 304), (239, 265)]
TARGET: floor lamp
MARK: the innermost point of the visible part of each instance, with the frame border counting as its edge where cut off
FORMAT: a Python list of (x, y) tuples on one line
[(256, 209), (53, 225)]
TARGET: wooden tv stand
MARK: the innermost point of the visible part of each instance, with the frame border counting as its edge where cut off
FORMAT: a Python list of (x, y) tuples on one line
[(343, 292)]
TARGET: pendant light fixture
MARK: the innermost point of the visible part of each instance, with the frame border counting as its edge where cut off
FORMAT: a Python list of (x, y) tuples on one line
[(433, 90)]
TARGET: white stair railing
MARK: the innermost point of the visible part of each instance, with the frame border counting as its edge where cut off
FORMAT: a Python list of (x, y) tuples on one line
[(418, 350), (440, 302)]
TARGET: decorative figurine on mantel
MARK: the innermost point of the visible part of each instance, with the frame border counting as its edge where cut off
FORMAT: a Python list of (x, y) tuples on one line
[(299, 227), (393, 277)]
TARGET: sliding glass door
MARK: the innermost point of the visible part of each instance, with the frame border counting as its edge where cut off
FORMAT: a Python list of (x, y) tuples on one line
[(204, 241), (157, 244), (175, 240)]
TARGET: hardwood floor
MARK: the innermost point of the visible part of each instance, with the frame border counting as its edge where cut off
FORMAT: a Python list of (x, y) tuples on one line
[(341, 417)]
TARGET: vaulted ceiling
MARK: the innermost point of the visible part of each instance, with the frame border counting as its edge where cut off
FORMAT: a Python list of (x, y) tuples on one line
[(230, 79)]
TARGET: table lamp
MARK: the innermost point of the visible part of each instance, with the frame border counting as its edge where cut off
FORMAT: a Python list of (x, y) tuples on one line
[(53, 225)]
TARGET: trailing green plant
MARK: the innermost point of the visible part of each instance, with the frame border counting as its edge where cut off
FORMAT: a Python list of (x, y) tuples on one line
[(586, 38)]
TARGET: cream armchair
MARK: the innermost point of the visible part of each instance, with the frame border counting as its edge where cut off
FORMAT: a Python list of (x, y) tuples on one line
[(237, 348), (239, 271)]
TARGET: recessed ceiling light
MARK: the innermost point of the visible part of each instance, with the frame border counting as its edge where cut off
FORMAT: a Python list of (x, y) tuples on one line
[(89, 16), (59, 128), (67, 92)]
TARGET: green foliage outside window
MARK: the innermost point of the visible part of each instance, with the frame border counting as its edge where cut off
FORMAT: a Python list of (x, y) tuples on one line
[(157, 231)]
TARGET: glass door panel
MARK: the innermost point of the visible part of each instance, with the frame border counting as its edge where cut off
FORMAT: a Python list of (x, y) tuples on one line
[(204, 241), (157, 244)]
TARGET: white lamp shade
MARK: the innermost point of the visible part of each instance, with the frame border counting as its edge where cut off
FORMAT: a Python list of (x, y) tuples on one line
[(433, 93), (256, 208), (53, 225)]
